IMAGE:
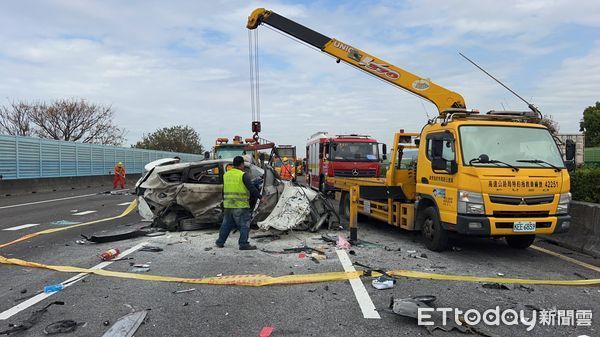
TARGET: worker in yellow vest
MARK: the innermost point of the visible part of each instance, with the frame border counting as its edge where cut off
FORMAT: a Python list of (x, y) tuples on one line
[(239, 196)]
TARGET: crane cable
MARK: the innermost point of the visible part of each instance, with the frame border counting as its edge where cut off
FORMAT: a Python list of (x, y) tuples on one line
[(254, 76)]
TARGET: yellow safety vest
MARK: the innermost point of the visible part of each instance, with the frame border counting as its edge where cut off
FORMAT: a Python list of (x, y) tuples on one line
[(235, 193)]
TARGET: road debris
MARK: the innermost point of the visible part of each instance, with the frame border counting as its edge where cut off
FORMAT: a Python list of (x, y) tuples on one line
[(342, 243), (109, 254), (53, 288), (408, 307), (184, 291), (140, 268), (64, 326), (153, 249), (127, 325), (33, 319), (80, 242), (495, 285), (63, 223), (328, 238), (266, 331), (524, 288), (115, 237), (383, 282)]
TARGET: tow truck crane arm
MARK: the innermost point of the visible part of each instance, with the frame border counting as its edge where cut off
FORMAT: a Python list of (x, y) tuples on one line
[(443, 98)]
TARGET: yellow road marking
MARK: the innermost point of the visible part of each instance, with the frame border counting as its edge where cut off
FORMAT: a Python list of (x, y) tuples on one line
[(566, 258)]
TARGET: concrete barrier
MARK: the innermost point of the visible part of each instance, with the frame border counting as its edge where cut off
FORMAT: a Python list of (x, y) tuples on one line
[(28, 186), (584, 234)]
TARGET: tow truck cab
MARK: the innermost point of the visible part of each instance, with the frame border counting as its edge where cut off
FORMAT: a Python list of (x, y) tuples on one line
[(490, 178)]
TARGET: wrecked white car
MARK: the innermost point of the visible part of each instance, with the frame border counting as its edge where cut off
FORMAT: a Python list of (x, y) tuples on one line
[(189, 196)]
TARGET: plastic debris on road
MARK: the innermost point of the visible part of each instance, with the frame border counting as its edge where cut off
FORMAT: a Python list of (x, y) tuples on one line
[(383, 282), (53, 288), (342, 243), (140, 268), (109, 254), (266, 331)]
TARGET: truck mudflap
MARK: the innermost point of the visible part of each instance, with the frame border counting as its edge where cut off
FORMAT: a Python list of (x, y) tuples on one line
[(487, 226)]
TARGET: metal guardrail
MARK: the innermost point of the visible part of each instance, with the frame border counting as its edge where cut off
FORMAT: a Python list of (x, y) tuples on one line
[(30, 157)]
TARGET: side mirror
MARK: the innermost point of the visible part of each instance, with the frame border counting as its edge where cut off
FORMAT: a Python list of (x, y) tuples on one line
[(384, 156), (384, 150), (569, 150), (206, 155), (570, 165)]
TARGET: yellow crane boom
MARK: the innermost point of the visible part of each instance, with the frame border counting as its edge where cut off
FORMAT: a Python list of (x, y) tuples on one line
[(441, 97)]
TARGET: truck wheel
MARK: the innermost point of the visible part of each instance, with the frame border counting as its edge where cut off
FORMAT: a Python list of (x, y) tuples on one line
[(520, 241), (345, 205), (434, 235)]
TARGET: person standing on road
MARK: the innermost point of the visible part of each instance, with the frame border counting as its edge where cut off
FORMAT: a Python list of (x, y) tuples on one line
[(239, 196), (286, 170), (119, 176)]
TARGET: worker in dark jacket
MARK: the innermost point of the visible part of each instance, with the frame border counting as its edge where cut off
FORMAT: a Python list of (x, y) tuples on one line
[(239, 196)]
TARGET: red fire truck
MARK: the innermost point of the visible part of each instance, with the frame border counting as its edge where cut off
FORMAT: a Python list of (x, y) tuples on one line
[(340, 156)]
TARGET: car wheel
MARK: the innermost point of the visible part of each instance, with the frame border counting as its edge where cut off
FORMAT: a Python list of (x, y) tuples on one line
[(434, 235), (520, 241)]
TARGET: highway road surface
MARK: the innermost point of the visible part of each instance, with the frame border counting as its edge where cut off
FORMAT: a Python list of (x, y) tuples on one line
[(332, 308)]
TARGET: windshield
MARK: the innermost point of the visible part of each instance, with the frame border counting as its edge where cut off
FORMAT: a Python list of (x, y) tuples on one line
[(287, 152), (354, 152), (230, 153), (509, 144)]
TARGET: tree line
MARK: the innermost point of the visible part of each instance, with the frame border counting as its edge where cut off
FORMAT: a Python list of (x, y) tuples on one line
[(79, 120)]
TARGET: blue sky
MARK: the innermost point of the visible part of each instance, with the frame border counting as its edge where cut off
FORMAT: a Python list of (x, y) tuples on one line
[(186, 62)]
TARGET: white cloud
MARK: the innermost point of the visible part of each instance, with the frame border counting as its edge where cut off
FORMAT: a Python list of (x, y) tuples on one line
[(186, 62)]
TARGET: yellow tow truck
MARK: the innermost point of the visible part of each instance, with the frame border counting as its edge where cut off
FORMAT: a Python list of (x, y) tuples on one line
[(498, 174)]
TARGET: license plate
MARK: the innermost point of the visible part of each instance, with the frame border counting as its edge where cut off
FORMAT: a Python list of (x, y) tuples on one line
[(524, 226)]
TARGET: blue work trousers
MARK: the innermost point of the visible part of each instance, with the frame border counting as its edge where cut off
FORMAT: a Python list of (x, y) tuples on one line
[(235, 218)]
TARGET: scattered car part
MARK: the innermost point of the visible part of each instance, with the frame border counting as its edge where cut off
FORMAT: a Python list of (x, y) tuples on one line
[(64, 326), (33, 319), (383, 282), (184, 291), (409, 307), (127, 325), (153, 249), (498, 286), (115, 237)]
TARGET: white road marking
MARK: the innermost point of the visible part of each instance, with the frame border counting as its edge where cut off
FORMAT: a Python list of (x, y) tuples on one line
[(40, 297), (16, 228), (124, 204), (50, 200), (362, 296), (84, 213)]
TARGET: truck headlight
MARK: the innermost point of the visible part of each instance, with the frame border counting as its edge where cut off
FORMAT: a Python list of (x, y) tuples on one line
[(563, 203), (470, 202)]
